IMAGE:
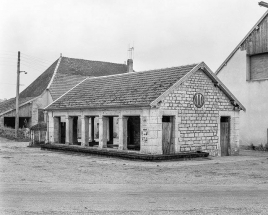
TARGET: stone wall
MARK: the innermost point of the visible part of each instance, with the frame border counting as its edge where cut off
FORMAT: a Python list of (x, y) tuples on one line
[(198, 128)]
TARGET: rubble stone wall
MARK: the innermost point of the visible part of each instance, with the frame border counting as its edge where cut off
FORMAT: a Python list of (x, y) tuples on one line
[(198, 128)]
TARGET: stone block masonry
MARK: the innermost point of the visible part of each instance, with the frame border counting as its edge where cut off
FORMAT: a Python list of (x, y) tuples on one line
[(198, 128)]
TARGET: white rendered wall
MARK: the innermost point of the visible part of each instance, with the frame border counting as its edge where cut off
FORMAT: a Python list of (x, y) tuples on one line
[(252, 94)]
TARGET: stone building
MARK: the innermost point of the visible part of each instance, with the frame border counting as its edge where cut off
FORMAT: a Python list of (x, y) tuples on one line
[(165, 111), (245, 73), (60, 77)]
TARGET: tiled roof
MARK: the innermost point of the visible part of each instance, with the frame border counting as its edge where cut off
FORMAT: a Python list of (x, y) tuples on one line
[(10, 104), (72, 66), (131, 89), (62, 83), (69, 73), (37, 87), (33, 90), (72, 71)]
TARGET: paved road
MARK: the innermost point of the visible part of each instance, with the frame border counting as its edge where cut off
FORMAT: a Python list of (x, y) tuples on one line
[(133, 199)]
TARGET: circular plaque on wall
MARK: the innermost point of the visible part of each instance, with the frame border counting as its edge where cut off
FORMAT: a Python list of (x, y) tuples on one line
[(199, 100)]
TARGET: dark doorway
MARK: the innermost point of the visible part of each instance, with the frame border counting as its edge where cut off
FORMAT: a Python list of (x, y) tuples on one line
[(75, 131), (168, 137), (133, 133), (62, 132), (23, 122), (110, 142), (225, 136)]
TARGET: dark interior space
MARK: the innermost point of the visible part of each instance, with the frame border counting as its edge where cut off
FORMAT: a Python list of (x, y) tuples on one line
[(111, 130), (75, 131), (224, 119), (166, 119), (10, 122), (62, 132), (133, 133)]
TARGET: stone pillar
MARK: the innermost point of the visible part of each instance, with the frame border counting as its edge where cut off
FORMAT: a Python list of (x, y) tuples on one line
[(122, 133), (103, 121), (50, 128), (56, 129), (69, 131), (84, 130), (2, 121)]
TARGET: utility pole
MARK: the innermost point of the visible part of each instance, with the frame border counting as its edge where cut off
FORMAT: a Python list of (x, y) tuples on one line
[(17, 97)]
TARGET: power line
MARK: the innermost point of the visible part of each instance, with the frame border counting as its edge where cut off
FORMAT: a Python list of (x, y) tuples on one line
[(42, 60), (33, 60), (34, 63)]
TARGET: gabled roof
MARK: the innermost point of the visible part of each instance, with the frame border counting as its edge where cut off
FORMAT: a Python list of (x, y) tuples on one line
[(61, 76), (9, 105), (239, 45), (132, 89)]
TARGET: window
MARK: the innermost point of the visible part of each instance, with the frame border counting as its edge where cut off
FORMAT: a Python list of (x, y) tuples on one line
[(40, 115), (257, 67)]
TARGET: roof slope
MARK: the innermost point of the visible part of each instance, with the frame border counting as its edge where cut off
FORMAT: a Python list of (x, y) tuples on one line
[(10, 104), (62, 83), (70, 72), (135, 89), (72, 66), (239, 45), (37, 87)]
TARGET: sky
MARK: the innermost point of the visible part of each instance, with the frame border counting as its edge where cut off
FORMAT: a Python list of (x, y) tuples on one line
[(163, 33)]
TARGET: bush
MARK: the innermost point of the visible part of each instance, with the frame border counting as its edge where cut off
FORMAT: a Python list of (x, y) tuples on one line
[(260, 147), (252, 147), (9, 133)]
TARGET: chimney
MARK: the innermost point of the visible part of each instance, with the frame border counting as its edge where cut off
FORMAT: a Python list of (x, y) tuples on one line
[(129, 65)]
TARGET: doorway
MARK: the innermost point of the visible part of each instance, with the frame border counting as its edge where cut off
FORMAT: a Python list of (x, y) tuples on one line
[(225, 136), (133, 133), (168, 136), (62, 132)]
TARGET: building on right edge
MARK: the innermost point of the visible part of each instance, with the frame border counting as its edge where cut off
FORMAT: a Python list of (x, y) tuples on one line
[(245, 73)]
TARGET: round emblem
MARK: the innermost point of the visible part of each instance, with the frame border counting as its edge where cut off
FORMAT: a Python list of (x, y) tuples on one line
[(199, 100)]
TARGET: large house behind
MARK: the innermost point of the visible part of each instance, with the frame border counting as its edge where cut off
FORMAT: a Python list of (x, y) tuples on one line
[(60, 77), (245, 73)]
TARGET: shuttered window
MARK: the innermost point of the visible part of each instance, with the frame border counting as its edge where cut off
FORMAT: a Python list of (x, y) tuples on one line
[(259, 66)]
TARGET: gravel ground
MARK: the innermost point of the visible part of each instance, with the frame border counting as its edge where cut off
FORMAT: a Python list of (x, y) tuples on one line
[(33, 170)]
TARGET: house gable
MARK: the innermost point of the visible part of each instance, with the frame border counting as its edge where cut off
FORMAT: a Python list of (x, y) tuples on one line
[(202, 66), (256, 41), (199, 127)]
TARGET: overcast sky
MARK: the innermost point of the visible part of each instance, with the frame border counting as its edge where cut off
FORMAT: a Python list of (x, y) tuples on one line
[(164, 33)]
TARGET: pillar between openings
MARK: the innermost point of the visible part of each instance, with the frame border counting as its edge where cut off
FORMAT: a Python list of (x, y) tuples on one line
[(123, 133), (56, 132), (69, 131), (84, 131), (103, 121)]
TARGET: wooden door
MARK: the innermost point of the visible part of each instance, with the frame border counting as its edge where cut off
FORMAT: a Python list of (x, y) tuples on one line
[(167, 143), (225, 139)]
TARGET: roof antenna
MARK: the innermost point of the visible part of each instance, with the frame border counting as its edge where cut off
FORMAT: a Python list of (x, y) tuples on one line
[(131, 53), (60, 54)]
